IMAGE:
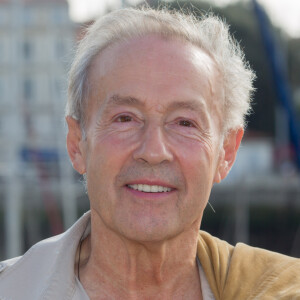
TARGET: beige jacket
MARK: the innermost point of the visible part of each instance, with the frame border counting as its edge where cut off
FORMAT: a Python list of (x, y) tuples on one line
[(46, 271)]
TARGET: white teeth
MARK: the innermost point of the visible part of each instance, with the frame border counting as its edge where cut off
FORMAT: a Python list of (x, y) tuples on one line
[(149, 188)]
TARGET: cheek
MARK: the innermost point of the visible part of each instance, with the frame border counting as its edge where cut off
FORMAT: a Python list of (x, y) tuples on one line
[(198, 166), (111, 140), (194, 155), (109, 153)]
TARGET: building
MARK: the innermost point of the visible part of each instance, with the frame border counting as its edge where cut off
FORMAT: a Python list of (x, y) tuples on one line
[(36, 43)]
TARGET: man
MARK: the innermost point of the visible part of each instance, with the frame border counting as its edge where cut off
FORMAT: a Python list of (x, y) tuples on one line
[(155, 116)]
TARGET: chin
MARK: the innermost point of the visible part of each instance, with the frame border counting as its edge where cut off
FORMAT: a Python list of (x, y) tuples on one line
[(150, 233)]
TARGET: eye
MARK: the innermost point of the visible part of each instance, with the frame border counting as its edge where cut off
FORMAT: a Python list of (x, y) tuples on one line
[(186, 123), (123, 119)]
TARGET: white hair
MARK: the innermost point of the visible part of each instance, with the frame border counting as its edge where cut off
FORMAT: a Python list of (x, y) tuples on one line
[(208, 33)]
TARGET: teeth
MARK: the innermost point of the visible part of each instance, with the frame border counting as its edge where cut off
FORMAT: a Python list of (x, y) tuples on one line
[(149, 188)]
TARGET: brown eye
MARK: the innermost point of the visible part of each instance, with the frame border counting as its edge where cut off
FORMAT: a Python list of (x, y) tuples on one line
[(123, 119), (186, 123)]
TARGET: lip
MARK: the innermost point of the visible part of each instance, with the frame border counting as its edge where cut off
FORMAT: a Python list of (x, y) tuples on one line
[(151, 182), (149, 196)]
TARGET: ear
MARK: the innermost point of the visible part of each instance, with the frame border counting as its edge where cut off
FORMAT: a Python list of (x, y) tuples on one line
[(75, 145), (228, 153)]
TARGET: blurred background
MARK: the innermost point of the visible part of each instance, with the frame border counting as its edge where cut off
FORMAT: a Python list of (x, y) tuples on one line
[(40, 194)]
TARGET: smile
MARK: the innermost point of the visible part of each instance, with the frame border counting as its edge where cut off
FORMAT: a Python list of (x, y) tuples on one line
[(149, 188)]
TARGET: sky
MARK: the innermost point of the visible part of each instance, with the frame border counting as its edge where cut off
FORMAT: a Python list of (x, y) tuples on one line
[(284, 13)]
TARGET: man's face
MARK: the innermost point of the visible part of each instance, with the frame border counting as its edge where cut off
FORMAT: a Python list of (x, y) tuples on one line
[(151, 153)]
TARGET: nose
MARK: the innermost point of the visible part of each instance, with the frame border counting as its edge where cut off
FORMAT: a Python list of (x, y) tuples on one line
[(153, 147)]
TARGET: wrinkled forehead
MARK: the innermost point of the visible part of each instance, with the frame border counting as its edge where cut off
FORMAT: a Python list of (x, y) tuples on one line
[(172, 58), (149, 48)]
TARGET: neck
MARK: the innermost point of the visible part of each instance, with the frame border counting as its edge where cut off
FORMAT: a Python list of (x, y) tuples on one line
[(118, 267)]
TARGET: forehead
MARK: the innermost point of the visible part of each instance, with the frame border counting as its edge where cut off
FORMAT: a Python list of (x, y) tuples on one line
[(150, 49), (154, 69)]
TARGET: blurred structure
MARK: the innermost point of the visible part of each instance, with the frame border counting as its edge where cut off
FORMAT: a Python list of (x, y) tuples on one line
[(36, 39), (259, 203), (279, 71)]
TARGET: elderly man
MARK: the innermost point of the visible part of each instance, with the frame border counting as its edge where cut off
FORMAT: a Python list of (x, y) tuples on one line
[(155, 115)]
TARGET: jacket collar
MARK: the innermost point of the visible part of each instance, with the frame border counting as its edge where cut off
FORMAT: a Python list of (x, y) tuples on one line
[(46, 270)]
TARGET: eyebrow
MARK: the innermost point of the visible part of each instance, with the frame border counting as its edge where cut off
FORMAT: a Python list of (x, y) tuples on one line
[(193, 105), (199, 107), (116, 100)]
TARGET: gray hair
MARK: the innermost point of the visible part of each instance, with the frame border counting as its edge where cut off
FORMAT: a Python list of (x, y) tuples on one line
[(208, 33)]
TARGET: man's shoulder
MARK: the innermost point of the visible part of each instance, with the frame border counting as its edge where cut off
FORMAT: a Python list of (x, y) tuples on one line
[(243, 271), (215, 246), (26, 276), (45, 270), (6, 264), (37, 254)]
